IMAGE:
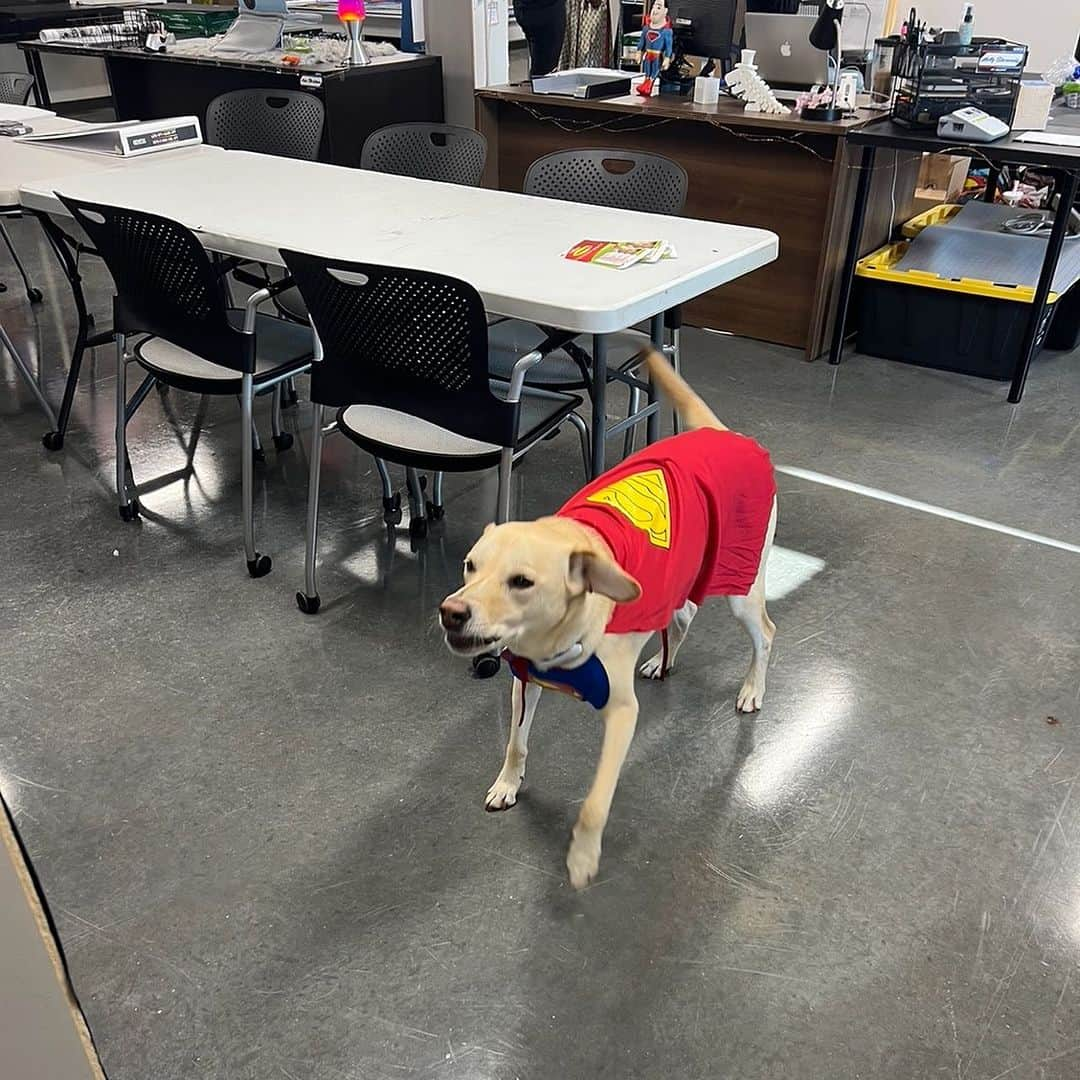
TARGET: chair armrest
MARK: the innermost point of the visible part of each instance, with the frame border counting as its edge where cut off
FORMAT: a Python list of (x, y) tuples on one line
[(259, 297), (531, 359)]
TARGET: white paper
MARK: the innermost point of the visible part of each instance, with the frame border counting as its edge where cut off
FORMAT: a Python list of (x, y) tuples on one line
[(1050, 138)]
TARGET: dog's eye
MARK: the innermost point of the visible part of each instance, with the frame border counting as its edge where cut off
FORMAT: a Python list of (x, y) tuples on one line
[(470, 566), (520, 581)]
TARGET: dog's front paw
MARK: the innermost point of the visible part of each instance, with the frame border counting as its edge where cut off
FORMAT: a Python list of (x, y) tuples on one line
[(503, 793), (751, 695), (654, 668), (583, 861)]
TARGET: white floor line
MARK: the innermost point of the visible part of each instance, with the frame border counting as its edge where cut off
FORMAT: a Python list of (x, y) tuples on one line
[(925, 508)]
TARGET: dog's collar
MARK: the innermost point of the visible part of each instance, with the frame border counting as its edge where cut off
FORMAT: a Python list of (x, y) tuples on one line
[(561, 659), (587, 682)]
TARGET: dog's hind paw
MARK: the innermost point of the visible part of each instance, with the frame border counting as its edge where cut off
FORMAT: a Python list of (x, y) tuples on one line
[(503, 793), (654, 668)]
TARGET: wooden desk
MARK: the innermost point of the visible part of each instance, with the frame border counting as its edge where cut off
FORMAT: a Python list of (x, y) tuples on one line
[(784, 174)]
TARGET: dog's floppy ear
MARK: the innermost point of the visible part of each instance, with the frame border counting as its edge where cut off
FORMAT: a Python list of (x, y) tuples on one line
[(593, 572)]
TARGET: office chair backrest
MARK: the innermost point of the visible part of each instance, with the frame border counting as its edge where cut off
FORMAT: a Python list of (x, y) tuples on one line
[(285, 123), (622, 179), (454, 155), (15, 87), (403, 339), (165, 283)]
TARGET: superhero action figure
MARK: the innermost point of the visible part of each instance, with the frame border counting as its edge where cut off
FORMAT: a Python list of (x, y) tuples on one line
[(656, 46)]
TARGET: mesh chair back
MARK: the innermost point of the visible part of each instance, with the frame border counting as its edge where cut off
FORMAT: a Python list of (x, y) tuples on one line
[(454, 155), (622, 179), (285, 123), (165, 283), (15, 87), (402, 339)]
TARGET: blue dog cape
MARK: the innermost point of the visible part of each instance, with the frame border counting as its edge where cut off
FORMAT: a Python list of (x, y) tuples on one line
[(589, 682)]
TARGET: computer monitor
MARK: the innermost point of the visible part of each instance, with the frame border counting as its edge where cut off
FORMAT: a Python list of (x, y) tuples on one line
[(704, 27)]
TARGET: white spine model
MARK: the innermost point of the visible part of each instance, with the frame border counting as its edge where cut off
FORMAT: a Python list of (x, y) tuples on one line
[(747, 84)]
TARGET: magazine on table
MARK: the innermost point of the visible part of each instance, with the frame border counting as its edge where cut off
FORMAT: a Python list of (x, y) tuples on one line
[(619, 254)]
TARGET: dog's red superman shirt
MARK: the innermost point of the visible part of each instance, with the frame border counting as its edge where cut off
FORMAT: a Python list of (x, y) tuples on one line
[(686, 518)]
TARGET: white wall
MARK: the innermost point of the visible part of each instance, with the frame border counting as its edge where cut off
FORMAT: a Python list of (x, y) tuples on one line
[(1049, 28)]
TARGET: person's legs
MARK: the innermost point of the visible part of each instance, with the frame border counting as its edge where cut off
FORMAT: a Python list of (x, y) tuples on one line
[(544, 28)]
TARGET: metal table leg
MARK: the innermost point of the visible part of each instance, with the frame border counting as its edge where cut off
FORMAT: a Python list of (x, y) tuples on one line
[(1066, 196), (28, 375), (37, 69), (652, 425), (54, 440), (847, 275), (599, 402)]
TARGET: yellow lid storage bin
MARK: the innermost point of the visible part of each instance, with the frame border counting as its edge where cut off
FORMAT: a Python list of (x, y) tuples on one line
[(967, 325)]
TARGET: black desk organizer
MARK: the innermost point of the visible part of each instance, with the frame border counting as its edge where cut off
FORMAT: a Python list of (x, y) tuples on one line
[(931, 81)]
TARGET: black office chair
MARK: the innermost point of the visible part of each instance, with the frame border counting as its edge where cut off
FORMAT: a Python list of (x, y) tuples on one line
[(285, 123), (627, 179), (454, 155), (167, 287), (15, 89), (402, 356), (622, 179)]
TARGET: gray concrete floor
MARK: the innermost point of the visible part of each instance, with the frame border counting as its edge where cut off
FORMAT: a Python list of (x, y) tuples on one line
[(262, 834)]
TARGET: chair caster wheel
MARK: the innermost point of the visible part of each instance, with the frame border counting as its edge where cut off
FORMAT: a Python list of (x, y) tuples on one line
[(259, 456), (485, 666), (436, 513), (52, 440), (309, 605), (90, 320), (259, 566), (418, 528), (283, 441), (289, 398), (129, 512), (391, 512), (33, 295)]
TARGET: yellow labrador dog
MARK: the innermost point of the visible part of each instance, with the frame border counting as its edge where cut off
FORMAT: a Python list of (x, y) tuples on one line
[(572, 599)]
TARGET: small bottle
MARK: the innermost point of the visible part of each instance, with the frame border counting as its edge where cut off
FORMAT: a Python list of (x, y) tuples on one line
[(967, 24)]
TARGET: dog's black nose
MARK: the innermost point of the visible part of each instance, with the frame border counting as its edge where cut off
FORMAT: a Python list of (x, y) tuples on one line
[(454, 614)]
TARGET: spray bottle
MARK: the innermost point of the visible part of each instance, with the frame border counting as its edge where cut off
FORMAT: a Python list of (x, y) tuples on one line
[(967, 24)]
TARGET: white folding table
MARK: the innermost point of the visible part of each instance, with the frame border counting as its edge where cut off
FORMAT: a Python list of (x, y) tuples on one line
[(510, 247), (19, 162), (28, 163)]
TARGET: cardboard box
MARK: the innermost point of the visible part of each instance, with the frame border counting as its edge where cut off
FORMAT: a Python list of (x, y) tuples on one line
[(941, 178), (43, 1033)]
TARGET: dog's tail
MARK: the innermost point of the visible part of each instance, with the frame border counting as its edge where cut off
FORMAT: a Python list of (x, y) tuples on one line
[(693, 412)]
